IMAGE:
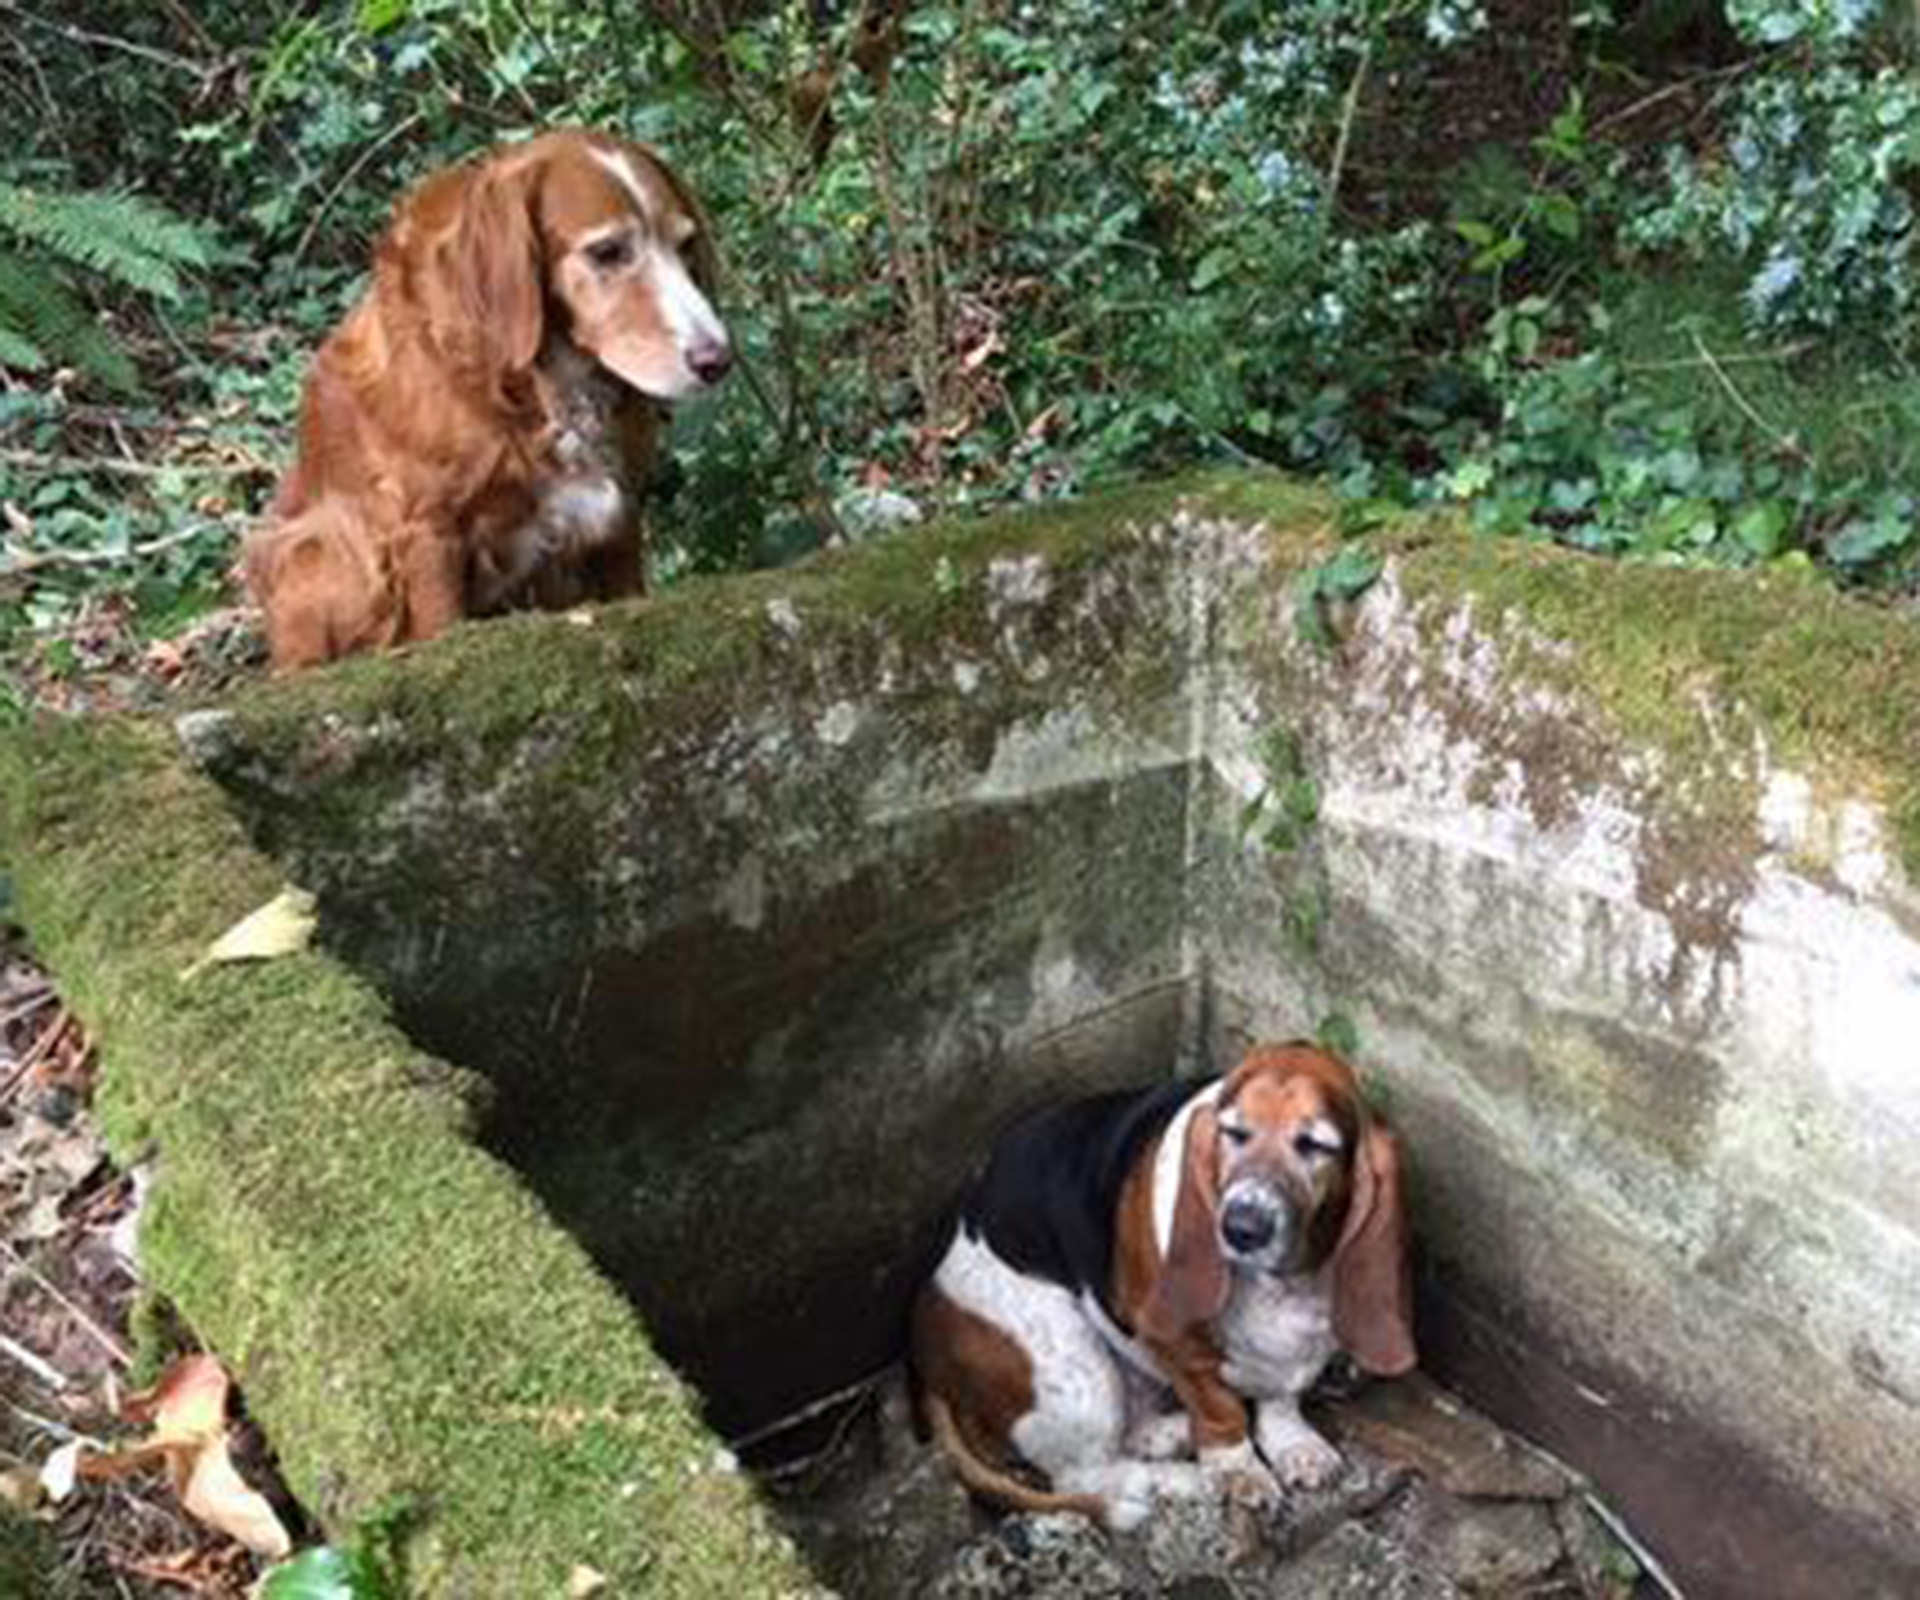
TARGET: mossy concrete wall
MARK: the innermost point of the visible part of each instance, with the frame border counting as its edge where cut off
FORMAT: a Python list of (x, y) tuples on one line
[(756, 908), (423, 1346), (1610, 870)]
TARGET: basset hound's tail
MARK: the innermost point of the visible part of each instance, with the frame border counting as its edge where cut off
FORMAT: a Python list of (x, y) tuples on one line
[(989, 1481)]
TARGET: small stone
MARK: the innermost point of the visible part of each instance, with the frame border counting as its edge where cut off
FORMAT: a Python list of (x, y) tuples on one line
[(206, 737), (1030, 1557), (864, 512), (1414, 1422), (1484, 1547), (584, 1582)]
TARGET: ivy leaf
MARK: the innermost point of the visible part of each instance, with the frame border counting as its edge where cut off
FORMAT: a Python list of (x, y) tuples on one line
[(1345, 577), (1469, 479), (1759, 528), (1349, 574), (1214, 266), (1338, 1033), (324, 1574), (377, 16), (1867, 539)]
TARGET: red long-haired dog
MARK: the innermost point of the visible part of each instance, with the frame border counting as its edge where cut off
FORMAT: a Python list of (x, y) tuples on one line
[(475, 435)]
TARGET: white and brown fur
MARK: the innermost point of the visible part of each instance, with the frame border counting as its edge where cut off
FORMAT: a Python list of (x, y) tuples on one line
[(1129, 1273)]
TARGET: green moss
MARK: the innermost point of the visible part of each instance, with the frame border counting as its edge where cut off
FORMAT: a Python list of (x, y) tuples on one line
[(406, 1322), (1828, 681)]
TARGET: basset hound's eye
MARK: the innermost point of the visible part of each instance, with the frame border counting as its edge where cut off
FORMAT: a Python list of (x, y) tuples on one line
[(1311, 1145), (1235, 1134), (610, 253)]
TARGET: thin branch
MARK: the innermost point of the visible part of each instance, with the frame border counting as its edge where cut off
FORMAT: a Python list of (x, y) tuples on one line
[(85, 1323), (1786, 441), (47, 461), (1786, 352), (1671, 91), (20, 562), (35, 1053), (854, 1391), (405, 124), (107, 41), (1649, 1563), (49, 1375), (1349, 110)]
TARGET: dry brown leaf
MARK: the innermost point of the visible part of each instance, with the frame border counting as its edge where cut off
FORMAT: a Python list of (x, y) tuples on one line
[(21, 1488), (283, 925), (188, 1411)]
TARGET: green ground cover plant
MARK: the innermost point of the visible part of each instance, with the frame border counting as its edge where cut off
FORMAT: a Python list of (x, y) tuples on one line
[(1632, 277)]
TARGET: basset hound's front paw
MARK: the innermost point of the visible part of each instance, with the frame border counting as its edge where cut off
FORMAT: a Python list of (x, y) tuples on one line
[(1299, 1457), (1240, 1477)]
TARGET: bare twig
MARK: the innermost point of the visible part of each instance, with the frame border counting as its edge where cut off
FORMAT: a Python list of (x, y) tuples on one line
[(1786, 352), (36, 999), (85, 1323), (1649, 1562), (320, 211), (1349, 110), (1671, 91), (916, 270), (35, 1053), (1786, 441), (48, 1375), (108, 41), (855, 1391), (21, 561), (48, 461)]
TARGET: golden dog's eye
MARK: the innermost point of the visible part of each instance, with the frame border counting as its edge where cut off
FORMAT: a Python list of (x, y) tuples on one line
[(609, 253), (1310, 1147)]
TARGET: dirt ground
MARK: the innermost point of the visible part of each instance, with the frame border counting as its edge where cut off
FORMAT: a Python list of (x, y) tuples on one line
[(1435, 1502), (69, 1293)]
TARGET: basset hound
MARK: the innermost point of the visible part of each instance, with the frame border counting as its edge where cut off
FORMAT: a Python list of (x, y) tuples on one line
[(1128, 1272)]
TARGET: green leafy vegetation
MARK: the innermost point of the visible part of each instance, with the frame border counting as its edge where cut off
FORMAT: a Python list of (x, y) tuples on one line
[(1628, 276)]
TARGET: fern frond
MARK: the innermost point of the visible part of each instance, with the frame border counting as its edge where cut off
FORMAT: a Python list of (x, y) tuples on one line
[(127, 240), (40, 314), (17, 350)]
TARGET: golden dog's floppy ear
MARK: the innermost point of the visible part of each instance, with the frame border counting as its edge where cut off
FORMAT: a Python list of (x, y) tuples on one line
[(1193, 1283), (1372, 1274), (485, 284)]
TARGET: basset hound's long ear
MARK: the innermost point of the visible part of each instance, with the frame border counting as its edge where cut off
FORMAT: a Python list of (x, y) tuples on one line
[(1372, 1271), (1192, 1287), (485, 279)]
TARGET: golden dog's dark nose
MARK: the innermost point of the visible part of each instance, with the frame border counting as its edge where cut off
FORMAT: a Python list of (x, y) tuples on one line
[(710, 360)]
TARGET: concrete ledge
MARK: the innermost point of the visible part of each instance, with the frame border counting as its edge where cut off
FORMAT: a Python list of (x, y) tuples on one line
[(748, 913), (408, 1325)]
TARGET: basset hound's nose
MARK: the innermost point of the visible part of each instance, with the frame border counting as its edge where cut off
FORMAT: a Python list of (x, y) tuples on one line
[(710, 360), (1246, 1225)]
